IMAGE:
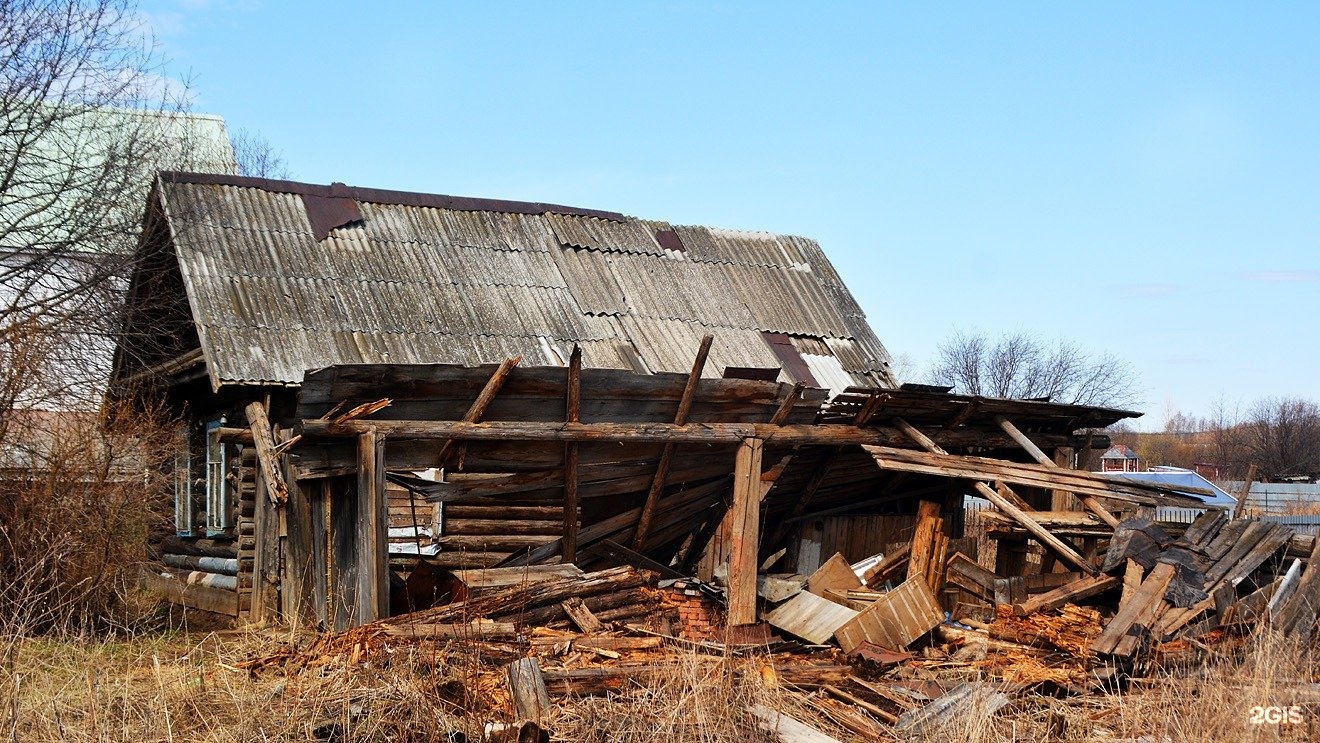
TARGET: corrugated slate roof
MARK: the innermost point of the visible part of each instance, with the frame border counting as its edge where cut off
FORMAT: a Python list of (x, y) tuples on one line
[(423, 279)]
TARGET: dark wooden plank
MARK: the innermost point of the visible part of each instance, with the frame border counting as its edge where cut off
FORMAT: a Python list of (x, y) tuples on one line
[(573, 395)]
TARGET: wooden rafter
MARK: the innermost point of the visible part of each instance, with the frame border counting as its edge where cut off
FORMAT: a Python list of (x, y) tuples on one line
[(1003, 504), (1091, 504), (483, 401), (667, 454)]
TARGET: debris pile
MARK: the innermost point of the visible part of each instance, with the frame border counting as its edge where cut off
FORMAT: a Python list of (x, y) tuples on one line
[(886, 649)]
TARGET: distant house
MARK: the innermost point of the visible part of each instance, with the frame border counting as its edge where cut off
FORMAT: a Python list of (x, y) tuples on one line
[(59, 265), (1120, 458)]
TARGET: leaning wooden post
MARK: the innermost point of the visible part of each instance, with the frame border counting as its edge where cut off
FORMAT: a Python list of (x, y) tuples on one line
[(373, 596), (573, 403), (271, 495), (745, 542)]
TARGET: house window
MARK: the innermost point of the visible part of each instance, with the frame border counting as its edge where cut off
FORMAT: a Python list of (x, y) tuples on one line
[(219, 494), (183, 493)]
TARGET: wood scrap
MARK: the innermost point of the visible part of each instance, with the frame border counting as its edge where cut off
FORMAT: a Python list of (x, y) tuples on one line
[(836, 574)]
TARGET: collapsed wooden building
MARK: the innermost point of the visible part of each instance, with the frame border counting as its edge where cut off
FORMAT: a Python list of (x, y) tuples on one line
[(380, 386)]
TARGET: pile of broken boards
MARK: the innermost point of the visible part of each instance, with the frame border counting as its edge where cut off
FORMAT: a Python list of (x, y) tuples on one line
[(872, 648), (517, 638), (1158, 594)]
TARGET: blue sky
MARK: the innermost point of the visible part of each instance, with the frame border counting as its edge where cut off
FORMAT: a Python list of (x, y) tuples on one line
[(1140, 178)]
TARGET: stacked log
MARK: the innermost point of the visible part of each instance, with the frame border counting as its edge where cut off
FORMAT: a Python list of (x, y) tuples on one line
[(612, 595)]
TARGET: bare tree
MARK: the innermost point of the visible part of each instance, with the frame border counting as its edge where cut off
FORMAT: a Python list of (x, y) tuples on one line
[(1023, 366), (1282, 437), (257, 157), (86, 119)]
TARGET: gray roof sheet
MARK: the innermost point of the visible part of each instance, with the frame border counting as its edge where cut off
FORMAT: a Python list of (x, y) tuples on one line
[(416, 283)]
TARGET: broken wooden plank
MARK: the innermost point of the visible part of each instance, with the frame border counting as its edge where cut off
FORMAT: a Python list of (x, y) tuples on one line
[(924, 537), (785, 728), (580, 615), (271, 472), (895, 620), (775, 589), (835, 575), (1082, 588), (1131, 582), (881, 571), (745, 533), (1142, 605)]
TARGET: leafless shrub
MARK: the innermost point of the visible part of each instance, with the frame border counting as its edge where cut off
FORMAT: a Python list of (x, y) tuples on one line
[(80, 492)]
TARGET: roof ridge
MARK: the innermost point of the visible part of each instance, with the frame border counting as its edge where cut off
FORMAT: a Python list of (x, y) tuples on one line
[(387, 196)]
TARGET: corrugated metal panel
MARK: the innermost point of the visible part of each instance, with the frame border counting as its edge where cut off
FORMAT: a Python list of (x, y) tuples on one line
[(491, 230), (603, 234), (850, 359), (785, 301), (425, 284), (744, 248), (655, 286), (229, 206), (590, 280), (238, 351), (830, 374), (671, 345)]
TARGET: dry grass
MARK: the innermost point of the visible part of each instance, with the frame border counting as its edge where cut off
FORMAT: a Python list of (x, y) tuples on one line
[(181, 687)]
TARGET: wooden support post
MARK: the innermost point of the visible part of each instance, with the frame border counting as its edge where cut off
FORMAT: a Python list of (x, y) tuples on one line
[(744, 543), (483, 401), (573, 404), (667, 454), (1241, 506), (1003, 503), (373, 580), (1091, 504)]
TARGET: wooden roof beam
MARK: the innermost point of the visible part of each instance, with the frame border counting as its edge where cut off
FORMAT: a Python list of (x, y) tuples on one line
[(1090, 502), (1010, 509), (484, 399)]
